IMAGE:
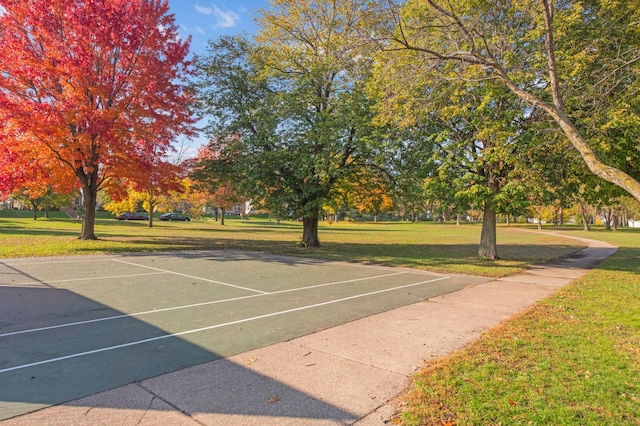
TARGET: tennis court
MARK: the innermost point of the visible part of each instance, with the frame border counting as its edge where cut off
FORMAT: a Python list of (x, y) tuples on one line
[(75, 326)]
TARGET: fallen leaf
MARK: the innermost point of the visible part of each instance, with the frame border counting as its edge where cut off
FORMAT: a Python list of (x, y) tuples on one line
[(274, 398)]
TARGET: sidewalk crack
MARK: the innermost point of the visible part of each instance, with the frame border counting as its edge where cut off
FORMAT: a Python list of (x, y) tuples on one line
[(155, 396)]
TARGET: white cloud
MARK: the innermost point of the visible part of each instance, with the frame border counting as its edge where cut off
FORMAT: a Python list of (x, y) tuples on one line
[(204, 10), (224, 18), (199, 31)]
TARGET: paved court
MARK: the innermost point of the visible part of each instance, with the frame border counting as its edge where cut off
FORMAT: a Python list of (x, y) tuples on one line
[(75, 326)]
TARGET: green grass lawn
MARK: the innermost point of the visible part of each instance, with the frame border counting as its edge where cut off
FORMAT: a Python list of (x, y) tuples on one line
[(437, 247), (572, 359)]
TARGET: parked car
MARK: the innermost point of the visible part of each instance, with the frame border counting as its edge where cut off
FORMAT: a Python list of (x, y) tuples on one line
[(174, 216), (133, 216)]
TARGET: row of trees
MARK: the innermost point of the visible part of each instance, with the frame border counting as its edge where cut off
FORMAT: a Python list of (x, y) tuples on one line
[(505, 105), (502, 105)]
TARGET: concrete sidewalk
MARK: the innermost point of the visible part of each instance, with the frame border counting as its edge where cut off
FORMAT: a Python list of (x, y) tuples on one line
[(348, 374)]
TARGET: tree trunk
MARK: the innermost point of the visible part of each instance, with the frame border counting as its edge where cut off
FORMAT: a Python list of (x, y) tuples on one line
[(243, 210), (488, 248), (89, 212), (223, 211), (458, 219), (151, 208), (310, 232), (585, 215), (608, 215), (35, 210)]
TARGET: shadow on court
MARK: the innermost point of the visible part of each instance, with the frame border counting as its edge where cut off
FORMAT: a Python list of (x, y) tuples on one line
[(72, 327), (56, 365)]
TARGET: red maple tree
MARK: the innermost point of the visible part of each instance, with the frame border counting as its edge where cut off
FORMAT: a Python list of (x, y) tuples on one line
[(90, 87)]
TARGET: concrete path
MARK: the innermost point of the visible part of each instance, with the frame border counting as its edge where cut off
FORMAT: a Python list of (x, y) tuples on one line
[(344, 375)]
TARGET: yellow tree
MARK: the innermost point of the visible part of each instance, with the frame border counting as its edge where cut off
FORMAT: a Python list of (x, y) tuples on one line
[(188, 200), (149, 188), (371, 195)]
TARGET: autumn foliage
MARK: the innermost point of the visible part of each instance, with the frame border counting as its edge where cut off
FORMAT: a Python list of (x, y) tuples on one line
[(214, 176), (91, 91)]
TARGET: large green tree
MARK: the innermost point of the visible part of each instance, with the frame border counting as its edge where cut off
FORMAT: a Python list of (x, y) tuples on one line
[(577, 61), (478, 130), (289, 109), (314, 49)]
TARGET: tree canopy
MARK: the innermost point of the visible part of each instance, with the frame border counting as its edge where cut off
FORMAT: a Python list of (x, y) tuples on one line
[(579, 62)]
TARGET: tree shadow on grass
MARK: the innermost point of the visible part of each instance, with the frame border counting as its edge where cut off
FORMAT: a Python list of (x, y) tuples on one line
[(626, 259), (39, 232), (440, 257), (49, 232), (456, 258)]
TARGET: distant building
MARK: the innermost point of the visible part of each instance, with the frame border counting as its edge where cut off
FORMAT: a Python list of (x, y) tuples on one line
[(241, 208)]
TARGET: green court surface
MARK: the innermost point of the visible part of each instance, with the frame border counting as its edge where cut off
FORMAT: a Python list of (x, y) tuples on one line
[(75, 326)]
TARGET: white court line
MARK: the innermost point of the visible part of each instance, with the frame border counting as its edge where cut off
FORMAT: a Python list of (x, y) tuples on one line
[(211, 327), (191, 276), (28, 285), (195, 305), (81, 279)]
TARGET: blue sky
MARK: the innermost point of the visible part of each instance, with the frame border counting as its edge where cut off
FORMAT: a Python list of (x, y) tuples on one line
[(207, 20)]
